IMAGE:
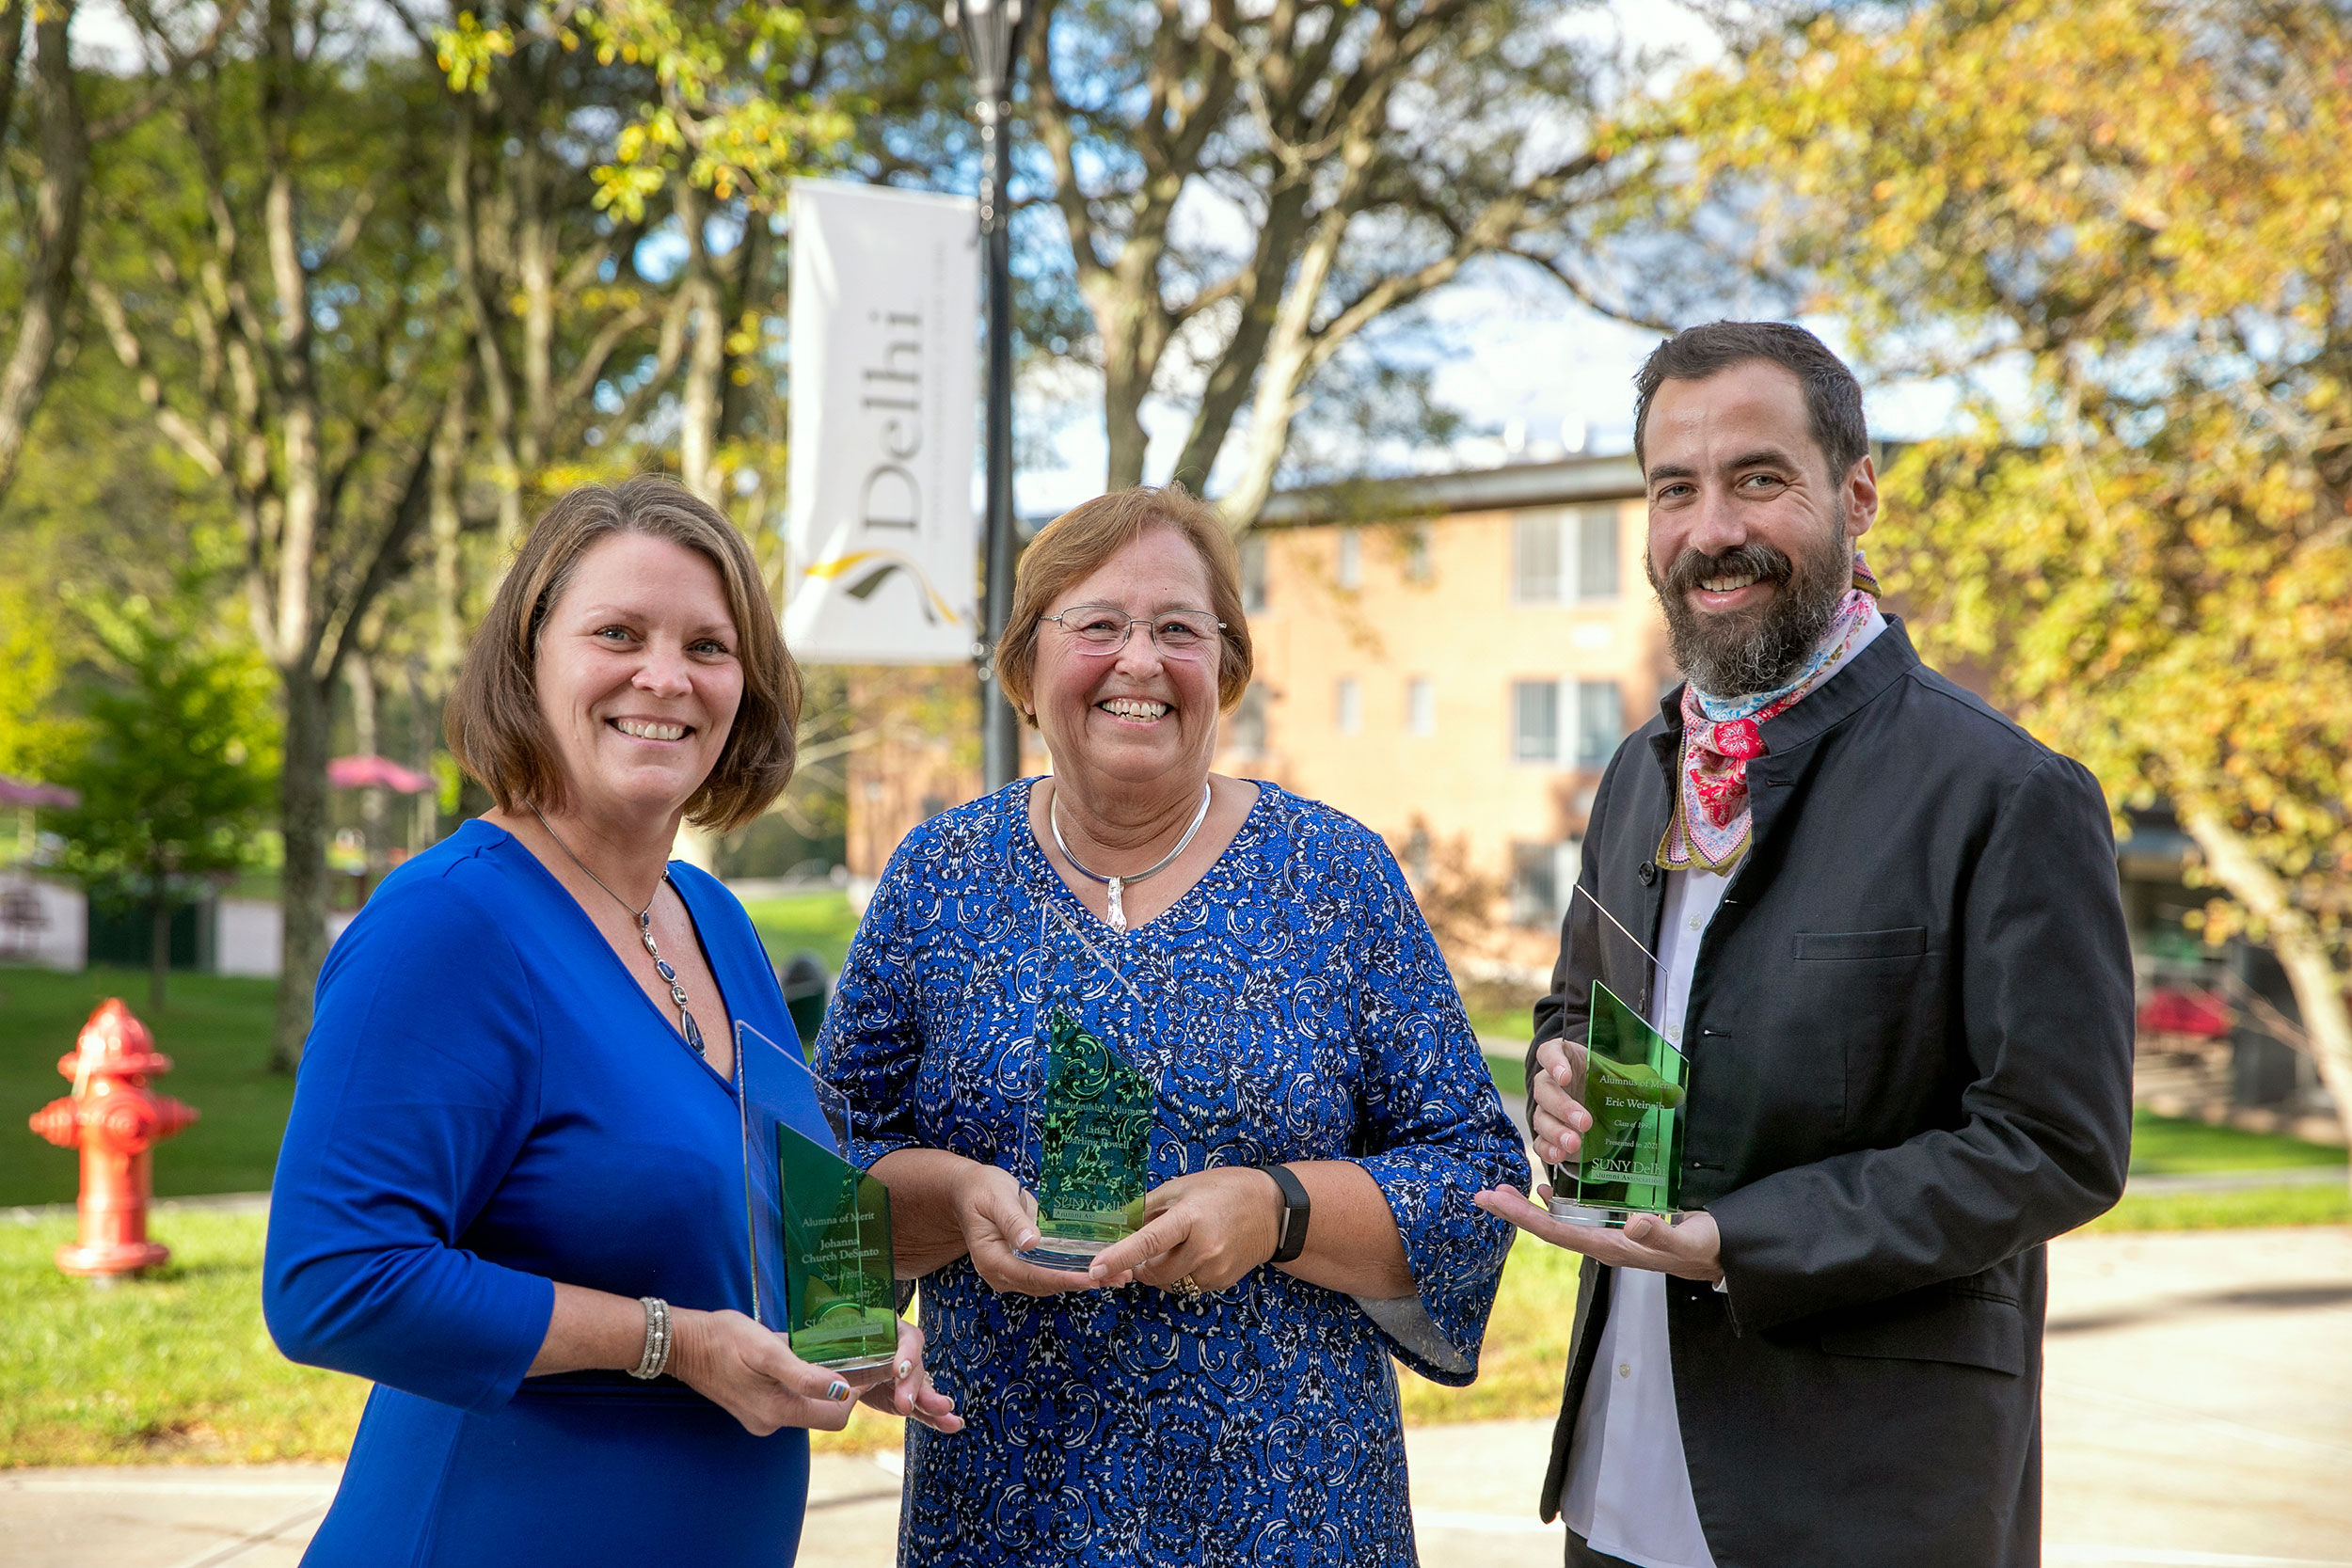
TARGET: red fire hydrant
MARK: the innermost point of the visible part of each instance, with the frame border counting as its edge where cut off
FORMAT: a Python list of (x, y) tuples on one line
[(115, 1119)]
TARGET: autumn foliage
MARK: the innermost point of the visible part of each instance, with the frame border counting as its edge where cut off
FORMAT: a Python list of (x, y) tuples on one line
[(2143, 213)]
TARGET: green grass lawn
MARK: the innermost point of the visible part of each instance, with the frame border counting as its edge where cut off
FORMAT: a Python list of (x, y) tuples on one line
[(2243, 1208), (2165, 1146), (217, 1033), (174, 1367), (2161, 1146), (1526, 1348), (1502, 1024), (178, 1368), (1510, 1073), (820, 923)]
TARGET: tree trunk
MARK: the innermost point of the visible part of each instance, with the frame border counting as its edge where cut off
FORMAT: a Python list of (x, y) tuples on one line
[(158, 945), (1124, 388), (2319, 986), (11, 58), (302, 820), (56, 233), (698, 404), (367, 740), (700, 398), (1288, 352), (1267, 438), (424, 822)]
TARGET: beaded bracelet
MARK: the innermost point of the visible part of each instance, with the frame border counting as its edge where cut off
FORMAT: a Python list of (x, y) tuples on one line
[(657, 1356)]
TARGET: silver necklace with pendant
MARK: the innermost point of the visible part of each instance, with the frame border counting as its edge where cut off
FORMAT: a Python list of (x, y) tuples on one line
[(1117, 886), (644, 917)]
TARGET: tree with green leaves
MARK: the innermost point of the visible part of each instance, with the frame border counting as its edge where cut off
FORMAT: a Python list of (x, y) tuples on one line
[(178, 761), (2147, 207), (70, 116), (272, 275), (35, 737), (1249, 190)]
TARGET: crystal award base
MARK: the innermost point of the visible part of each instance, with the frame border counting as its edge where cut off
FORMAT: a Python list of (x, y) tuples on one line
[(1631, 1158), (1094, 1148), (842, 1311)]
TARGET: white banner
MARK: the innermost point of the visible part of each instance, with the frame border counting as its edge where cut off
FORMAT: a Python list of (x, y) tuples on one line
[(884, 565)]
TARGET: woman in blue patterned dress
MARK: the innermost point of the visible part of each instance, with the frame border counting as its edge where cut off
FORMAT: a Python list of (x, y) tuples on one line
[(1217, 1388)]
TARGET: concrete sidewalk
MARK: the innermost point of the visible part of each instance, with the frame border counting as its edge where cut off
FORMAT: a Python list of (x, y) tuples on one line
[(2197, 1415)]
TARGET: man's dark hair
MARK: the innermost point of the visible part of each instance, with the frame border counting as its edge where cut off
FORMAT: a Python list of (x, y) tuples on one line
[(1832, 399)]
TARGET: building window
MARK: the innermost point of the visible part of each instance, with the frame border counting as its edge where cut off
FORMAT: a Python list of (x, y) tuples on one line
[(1421, 706), (1350, 572), (1417, 567), (1348, 706), (1543, 877), (1596, 553), (1533, 889), (1536, 721), (1600, 723), (1567, 865), (1565, 557), (1250, 724), (1253, 575), (1535, 558)]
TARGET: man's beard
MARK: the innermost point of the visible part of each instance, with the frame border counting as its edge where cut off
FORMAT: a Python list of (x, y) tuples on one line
[(1743, 652)]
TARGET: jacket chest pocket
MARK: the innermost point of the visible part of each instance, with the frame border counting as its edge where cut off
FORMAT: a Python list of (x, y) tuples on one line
[(1875, 999), (1878, 947)]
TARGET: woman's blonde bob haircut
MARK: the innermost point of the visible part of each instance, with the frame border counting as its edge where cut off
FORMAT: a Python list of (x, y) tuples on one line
[(1077, 543), (493, 723)]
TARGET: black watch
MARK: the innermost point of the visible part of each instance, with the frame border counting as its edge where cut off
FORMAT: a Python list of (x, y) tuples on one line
[(1296, 1211)]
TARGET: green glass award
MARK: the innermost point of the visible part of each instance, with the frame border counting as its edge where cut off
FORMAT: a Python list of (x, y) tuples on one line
[(1094, 1145), (820, 1225), (1630, 1162)]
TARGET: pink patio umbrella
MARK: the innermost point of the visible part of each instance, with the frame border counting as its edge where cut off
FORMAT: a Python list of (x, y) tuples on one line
[(375, 772), (23, 792)]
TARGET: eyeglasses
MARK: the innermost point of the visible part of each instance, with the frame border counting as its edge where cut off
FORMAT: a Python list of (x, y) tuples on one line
[(1103, 629)]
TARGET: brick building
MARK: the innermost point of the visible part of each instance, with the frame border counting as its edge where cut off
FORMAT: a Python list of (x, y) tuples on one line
[(1449, 660)]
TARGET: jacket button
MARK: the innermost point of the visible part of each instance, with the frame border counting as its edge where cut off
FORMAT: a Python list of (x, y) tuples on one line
[(1649, 873)]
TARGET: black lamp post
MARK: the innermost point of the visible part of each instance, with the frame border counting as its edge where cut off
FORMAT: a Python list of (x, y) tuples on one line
[(991, 31)]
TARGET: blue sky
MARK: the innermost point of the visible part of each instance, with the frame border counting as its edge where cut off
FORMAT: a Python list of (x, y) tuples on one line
[(1530, 370)]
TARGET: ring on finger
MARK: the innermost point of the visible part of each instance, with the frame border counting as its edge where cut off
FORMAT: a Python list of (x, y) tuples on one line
[(1189, 1289)]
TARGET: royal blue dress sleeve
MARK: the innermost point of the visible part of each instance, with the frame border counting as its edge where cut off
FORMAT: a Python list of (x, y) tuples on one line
[(419, 1082)]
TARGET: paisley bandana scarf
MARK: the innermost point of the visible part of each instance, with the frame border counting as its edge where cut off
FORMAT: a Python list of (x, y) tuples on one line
[(1721, 735)]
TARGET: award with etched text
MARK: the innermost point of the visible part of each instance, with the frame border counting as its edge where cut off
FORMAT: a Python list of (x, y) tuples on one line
[(1630, 1162), (1094, 1095), (820, 1225), (1094, 1145)]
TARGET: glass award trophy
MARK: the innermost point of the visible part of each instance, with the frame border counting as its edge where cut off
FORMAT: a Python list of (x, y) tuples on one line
[(1631, 1161), (1094, 1145), (820, 1225), (1091, 1122)]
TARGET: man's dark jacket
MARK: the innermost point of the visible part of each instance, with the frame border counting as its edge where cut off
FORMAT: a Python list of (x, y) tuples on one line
[(1910, 1039)]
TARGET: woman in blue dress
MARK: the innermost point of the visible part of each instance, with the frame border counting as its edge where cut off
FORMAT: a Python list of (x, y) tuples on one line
[(1218, 1387), (511, 1189)]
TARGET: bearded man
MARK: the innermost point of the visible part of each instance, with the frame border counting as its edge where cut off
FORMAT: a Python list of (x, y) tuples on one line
[(1889, 941)]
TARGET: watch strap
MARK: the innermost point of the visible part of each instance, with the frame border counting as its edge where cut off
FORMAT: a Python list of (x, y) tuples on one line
[(1296, 1210)]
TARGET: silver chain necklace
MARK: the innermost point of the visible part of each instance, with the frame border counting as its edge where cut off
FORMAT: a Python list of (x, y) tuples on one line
[(644, 917), (1117, 884)]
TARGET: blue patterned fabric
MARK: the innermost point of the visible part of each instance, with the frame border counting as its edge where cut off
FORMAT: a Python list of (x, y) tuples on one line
[(1292, 1007)]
